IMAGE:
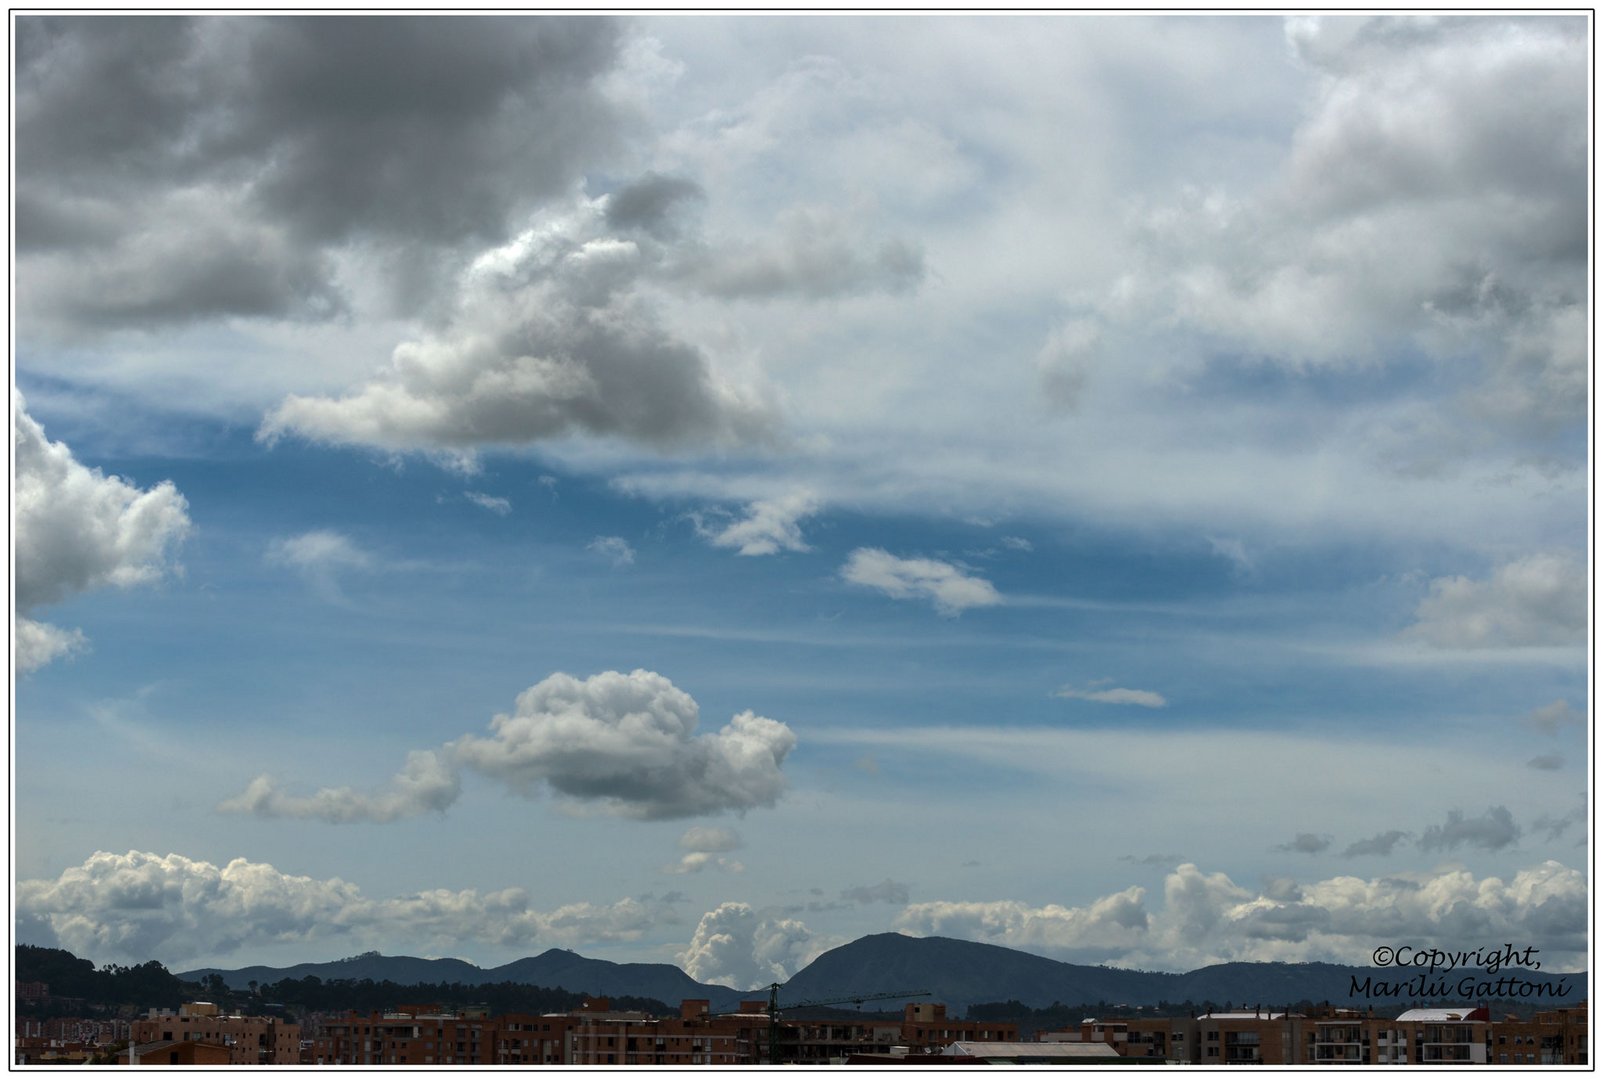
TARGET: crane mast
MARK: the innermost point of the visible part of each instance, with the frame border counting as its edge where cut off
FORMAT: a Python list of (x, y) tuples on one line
[(850, 999)]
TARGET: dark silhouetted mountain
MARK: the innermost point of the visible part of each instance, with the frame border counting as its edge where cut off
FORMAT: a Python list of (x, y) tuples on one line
[(552, 968), (962, 973), (603, 978), (958, 973), (404, 970)]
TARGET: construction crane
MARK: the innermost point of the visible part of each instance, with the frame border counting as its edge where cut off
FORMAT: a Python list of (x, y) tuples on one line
[(852, 999)]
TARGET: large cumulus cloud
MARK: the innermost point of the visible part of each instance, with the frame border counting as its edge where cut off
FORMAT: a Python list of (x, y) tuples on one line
[(629, 742), (1207, 918), (625, 744), (738, 945), (140, 905), (174, 168), (1537, 600), (77, 529), (1432, 205)]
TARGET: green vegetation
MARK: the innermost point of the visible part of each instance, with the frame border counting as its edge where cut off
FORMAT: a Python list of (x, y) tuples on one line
[(77, 988)]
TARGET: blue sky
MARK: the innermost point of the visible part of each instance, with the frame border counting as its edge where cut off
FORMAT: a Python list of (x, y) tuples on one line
[(702, 490)]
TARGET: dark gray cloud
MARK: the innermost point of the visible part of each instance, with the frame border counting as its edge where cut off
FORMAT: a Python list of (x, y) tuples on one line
[(1305, 844), (1553, 826), (290, 136), (652, 204), (1379, 844), (1547, 762), (1491, 831)]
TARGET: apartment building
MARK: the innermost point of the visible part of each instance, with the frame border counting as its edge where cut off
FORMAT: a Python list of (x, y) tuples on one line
[(250, 1040), (1435, 1036), (694, 1037), (1557, 1037), (1171, 1039), (431, 1035)]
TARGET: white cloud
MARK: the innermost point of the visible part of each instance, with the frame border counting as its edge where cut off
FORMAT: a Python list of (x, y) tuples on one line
[(76, 529), (39, 643), (1106, 924), (614, 549), (1147, 699), (551, 336), (948, 588), (704, 846), (142, 905), (629, 743), (1416, 211), (428, 782), (737, 945), (493, 503), (625, 743), (1539, 600), (320, 557), (770, 526), (1208, 919)]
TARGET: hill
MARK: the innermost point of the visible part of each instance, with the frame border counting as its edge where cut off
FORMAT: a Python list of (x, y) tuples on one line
[(552, 968), (957, 973)]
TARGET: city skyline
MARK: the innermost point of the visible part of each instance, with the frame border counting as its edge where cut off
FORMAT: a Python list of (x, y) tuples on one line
[(702, 490)]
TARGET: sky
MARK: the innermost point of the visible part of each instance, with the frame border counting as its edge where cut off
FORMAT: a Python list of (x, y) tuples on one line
[(704, 489)]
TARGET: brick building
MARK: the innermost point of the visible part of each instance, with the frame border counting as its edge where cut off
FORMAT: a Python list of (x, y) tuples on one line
[(249, 1040), (430, 1035), (1435, 1036)]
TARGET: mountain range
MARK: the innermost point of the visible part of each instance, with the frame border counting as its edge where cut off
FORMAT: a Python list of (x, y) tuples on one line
[(958, 973)]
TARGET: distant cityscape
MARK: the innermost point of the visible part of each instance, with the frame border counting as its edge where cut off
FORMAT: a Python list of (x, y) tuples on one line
[(105, 1016)]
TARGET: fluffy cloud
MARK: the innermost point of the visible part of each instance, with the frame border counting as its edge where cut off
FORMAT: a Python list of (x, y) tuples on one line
[(1416, 213), (704, 846), (770, 526), (550, 335), (174, 169), (1207, 918), (39, 643), (1491, 831), (428, 782), (737, 945), (629, 742), (1540, 600), (1115, 696), (948, 588), (1107, 924), (77, 529), (141, 905), (615, 549)]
